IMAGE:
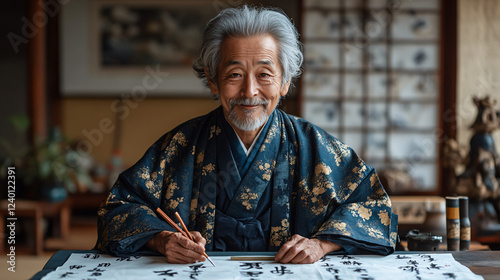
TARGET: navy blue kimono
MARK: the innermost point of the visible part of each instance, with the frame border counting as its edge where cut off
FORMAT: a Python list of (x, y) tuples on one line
[(297, 179)]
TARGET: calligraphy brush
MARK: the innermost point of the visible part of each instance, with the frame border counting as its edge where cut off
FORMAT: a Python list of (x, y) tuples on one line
[(186, 234)]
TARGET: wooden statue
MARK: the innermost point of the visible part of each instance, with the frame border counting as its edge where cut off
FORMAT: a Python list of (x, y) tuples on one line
[(480, 177)]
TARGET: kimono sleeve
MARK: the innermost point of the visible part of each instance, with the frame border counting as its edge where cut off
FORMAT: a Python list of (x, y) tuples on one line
[(127, 219), (364, 222)]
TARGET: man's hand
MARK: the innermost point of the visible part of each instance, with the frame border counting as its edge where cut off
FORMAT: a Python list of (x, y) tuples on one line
[(177, 248), (304, 250)]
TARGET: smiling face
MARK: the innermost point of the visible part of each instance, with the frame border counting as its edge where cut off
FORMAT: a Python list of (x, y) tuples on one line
[(249, 80)]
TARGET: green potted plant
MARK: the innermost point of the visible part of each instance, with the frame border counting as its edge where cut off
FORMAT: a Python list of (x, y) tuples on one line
[(54, 168), (49, 169)]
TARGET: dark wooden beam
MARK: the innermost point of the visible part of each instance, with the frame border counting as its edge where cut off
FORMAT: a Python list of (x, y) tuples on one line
[(448, 77), (37, 71), (54, 114)]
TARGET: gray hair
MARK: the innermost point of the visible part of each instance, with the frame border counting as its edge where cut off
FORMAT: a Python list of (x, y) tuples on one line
[(247, 21)]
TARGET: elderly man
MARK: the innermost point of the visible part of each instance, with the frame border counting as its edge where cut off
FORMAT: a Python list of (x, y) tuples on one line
[(247, 176)]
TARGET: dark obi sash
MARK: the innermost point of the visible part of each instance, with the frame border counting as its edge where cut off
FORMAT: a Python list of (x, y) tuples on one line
[(244, 234)]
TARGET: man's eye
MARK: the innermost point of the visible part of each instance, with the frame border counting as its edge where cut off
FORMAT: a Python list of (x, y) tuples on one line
[(264, 75), (234, 75)]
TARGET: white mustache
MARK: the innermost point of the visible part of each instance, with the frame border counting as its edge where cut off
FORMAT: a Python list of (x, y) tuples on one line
[(248, 102)]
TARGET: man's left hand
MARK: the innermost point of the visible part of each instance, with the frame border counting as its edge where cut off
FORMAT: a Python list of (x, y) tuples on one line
[(304, 250)]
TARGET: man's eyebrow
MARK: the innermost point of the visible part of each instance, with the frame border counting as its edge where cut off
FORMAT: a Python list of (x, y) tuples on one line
[(233, 62), (266, 62)]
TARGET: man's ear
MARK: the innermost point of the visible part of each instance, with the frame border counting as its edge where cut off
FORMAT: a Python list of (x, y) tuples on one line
[(285, 88), (211, 84)]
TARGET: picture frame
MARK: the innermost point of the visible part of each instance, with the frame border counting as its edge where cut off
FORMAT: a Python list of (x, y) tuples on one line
[(113, 48)]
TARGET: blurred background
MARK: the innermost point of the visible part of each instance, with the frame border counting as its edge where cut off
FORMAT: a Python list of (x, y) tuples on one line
[(89, 85)]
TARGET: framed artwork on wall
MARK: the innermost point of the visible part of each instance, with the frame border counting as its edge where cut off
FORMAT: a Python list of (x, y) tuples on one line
[(110, 47), (138, 33)]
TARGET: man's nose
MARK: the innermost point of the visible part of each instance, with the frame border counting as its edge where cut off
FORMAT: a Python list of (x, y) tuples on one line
[(250, 87)]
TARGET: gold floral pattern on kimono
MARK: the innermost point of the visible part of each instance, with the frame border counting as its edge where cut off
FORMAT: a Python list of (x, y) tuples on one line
[(320, 189)]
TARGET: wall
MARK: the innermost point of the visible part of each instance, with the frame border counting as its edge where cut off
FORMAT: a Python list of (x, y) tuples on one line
[(143, 124), (478, 61), (85, 119)]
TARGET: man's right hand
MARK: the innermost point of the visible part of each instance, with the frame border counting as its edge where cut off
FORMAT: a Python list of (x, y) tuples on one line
[(177, 248)]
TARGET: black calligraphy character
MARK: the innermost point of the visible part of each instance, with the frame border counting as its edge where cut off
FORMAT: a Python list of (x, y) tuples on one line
[(366, 277), (66, 275), (450, 275), (350, 263), (408, 268), (332, 270), (359, 270), (96, 269), (428, 257), (251, 273), (405, 211), (281, 271), (251, 265), (399, 257), (128, 259), (169, 272), (434, 266), (324, 259), (195, 270), (103, 265), (420, 212), (91, 256), (193, 275), (347, 257), (196, 267), (413, 262), (327, 265), (75, 266)]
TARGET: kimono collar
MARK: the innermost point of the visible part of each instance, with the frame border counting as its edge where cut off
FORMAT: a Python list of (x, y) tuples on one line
[(247, 151)]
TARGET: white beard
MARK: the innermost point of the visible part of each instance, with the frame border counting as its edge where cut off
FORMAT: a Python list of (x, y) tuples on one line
[(247, 122)]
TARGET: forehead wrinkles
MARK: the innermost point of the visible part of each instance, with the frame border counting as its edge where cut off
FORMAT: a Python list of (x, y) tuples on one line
[(256, 50)]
